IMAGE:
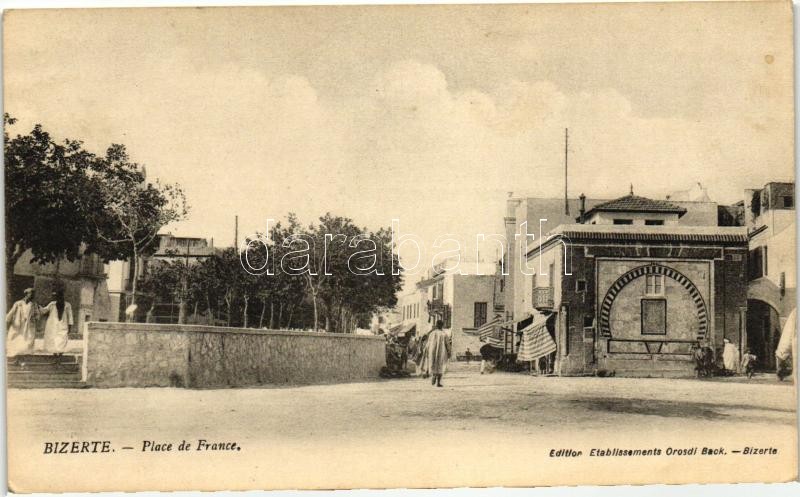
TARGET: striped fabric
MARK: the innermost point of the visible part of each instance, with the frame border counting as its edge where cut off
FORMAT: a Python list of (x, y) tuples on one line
[(491, 333), (488, 328), (536, 342)]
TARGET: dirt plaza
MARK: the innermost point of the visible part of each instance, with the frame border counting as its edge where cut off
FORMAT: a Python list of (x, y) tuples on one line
[(354, 434)]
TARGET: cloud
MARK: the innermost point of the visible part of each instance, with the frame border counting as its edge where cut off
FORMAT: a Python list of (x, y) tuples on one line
[(404, 143)]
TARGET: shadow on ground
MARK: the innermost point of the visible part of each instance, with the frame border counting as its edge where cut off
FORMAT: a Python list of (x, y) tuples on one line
[(680, 409)]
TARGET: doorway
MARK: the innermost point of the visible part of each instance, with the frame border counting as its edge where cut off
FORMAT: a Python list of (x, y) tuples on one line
[(763, 333)]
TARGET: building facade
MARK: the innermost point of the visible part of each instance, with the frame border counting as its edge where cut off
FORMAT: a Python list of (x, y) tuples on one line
[(465, 298), (538, 216), (769, 215), (633, 286)]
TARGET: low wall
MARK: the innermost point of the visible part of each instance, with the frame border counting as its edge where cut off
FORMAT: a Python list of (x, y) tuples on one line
[(143, 355)]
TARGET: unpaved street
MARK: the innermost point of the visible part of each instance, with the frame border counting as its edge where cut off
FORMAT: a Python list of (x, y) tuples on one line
[(366, 434)]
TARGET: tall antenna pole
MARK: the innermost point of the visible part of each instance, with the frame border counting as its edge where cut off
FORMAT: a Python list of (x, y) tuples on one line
[(236, 231), (566, 165)]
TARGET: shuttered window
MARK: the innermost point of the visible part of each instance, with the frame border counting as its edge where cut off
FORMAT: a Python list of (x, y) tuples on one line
[(480, 314)]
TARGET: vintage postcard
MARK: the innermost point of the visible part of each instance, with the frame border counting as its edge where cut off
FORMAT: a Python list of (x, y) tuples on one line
[(343, 247)]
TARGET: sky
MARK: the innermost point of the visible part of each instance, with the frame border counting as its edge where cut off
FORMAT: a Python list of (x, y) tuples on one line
[(429, 115)]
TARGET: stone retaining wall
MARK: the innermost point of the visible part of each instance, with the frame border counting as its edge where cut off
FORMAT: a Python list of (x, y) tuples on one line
[(143, 355)]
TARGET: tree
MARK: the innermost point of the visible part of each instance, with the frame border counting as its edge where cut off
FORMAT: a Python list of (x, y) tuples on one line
[(169, 281), (282, 291), (160, 284), (349, 272), (135, 209), (227, 271), (63, 201), (46, 184), (205, 287)]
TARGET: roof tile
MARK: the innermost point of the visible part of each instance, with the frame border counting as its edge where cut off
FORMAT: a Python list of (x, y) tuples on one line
[(634, 203)]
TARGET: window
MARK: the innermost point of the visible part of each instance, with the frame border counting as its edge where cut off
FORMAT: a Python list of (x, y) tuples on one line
[(588, 321), (654, 222), (757, 263), (623, 221), (480, 314), (788, 202), (580, 286), (438, 291), (654, 317), (654, 284)]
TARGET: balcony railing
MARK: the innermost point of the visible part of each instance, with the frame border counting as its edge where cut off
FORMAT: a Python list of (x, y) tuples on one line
[(92, 266), (543, 298)]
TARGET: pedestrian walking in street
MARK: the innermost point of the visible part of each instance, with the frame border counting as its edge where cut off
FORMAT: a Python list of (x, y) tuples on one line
[(748, 363), (59, 321), (21, 323), (730, 356), (439, 349)]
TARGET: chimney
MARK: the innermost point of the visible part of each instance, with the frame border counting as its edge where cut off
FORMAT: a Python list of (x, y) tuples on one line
[(582, 218)]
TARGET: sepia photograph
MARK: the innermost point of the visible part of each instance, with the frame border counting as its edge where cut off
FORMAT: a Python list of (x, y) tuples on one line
[(399, 246)]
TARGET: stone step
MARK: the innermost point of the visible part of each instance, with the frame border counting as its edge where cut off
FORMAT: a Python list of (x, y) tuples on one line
[(47, 384), (44, 359), (41, 370), (43, 366), (55, 374)]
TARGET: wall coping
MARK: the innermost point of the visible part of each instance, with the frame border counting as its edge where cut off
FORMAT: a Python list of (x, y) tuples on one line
[(194, 328)]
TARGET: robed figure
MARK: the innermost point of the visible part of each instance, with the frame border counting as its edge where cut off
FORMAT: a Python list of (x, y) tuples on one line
[(21, 323), (439, 350), (59, 320), (730, 356)]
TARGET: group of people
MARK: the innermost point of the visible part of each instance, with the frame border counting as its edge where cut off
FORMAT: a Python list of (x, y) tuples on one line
[(24, 318), (731, 364), (431, 353)]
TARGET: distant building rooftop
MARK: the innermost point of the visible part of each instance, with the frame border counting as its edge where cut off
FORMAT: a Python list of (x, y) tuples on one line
[(675, 234), (634, 203)]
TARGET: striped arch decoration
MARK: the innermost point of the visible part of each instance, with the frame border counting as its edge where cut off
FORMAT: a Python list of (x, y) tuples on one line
[(694, 293)]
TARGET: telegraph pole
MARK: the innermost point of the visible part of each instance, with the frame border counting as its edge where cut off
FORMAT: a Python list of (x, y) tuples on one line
[(566, 166)]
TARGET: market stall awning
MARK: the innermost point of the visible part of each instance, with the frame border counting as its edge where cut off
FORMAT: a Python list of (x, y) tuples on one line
[(536, 339), (491, 332), (402, 330), (494, 332)]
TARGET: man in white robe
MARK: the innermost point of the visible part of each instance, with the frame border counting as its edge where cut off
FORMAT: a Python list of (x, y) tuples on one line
[(59, 322), (439, 350), (21, 323), (786, 351), (730, 356)]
